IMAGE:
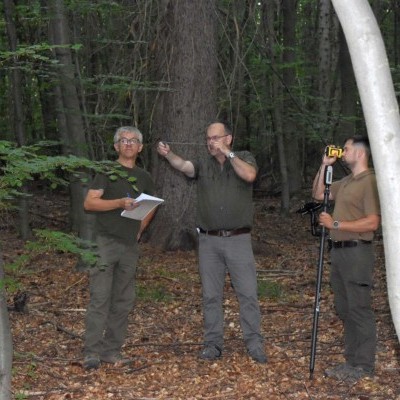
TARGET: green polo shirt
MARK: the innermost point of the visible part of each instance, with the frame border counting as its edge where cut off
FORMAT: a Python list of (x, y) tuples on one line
[(110, 223), (355, 197), (224, 200)]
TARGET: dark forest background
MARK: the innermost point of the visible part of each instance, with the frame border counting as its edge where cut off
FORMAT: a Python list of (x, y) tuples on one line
[(278, 72), (72, 72)]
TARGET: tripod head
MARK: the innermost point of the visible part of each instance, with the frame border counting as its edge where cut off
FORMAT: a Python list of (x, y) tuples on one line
[(312, 208), (309, 208)]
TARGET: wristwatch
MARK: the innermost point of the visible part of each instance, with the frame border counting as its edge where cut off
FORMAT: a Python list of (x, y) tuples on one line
[(335, 224), (231, 155)]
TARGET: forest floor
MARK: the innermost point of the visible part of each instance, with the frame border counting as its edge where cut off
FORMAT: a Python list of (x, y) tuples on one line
[(165, 328)]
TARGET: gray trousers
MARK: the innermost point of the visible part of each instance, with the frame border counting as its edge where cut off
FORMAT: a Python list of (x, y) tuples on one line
[(216, 256), (112, 295), (351, 280)]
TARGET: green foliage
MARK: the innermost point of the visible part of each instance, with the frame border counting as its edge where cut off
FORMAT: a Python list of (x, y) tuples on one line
[(102, 7), (50, 241), (153, 293), (9, 283), (31, 373), (34, 53), (30, 370), (22, 164), (20, 396), (269, 289)]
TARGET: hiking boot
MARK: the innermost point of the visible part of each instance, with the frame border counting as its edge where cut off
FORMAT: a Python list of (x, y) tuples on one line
[(115, 358), (91, 361), (346, 372), (257, 353), (338, 371), (210, 352), (357, 373)]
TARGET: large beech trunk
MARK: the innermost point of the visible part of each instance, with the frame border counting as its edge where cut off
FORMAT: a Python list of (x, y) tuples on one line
[(382, 117)]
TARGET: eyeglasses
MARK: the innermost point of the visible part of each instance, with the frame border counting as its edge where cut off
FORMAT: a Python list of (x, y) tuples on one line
[(126, 141), (215, 138)]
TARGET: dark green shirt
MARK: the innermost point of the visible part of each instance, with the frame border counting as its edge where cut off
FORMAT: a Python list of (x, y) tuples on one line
[(224, 200), (110, 223)]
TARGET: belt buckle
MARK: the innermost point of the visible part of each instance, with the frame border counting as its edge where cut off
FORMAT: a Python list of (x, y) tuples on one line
[(224, 233)]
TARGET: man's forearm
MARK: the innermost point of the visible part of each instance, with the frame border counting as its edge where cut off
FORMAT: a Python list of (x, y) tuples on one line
[(180, 164), (244, 170), (97, 204)]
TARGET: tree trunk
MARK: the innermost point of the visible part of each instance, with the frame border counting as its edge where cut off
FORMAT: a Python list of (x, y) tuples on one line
[(290, 129), (19, 120), (6, 344), (349, 96), (382, 117), (277, 93), (70, 123), (186, 56), (325, 58), (326, 89), (396, 35)]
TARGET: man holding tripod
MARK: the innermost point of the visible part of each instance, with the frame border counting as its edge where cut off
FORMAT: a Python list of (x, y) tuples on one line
[(355, 217)]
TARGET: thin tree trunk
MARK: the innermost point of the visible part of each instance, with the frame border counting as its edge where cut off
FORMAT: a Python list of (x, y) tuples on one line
[(6, 344), (328, 51), (325, 58), (381, 113), (289, 125), (349, 96), (277, 94), (70, 125), (18, 114)]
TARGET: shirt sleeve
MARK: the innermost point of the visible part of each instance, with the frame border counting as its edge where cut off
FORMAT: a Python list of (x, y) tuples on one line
[(248, 157), (99, 182)]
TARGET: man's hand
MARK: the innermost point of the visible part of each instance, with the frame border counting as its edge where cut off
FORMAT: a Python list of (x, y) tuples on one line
[(326, 220), (176, 161), (129, 204), (163, 149), (328, 160), (220, 146)]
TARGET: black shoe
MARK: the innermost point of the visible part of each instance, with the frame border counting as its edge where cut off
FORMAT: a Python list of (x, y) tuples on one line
[(338, 371), (346, 372), (91, 361), (210, 352), (115, 358), (257, 353), (358, 373)]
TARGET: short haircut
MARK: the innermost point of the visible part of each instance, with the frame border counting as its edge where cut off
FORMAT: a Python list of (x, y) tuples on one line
[(130, 129), (362, 141), (227, 128)]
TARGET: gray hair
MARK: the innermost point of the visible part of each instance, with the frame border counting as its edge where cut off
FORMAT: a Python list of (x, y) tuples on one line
[(130, 129)]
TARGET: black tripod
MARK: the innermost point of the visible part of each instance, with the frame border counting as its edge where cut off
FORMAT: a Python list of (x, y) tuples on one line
[(328, 182)]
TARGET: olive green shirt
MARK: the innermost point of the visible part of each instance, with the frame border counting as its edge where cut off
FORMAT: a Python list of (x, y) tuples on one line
[(355, 197), (110, 223), (224, 200)]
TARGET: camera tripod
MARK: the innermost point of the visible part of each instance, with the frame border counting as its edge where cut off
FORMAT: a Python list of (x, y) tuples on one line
[(328, 182)]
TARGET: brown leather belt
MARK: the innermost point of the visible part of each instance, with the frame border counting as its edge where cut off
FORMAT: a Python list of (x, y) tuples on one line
[(347, 243), (226, 233)]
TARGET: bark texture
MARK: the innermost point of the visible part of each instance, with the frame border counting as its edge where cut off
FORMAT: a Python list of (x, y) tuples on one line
[(381, 113), (186, 59)]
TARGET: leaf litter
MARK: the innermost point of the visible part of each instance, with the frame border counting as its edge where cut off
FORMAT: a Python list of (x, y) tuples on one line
[(165, 327)]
